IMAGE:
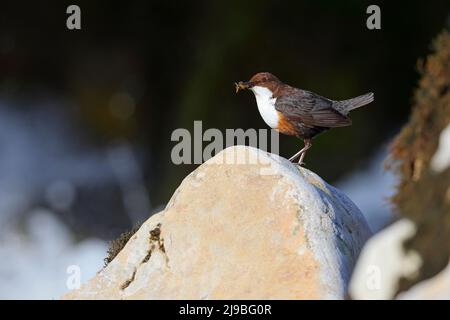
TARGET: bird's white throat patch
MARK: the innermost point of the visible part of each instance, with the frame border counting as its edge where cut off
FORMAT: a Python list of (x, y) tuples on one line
[(266, 105)]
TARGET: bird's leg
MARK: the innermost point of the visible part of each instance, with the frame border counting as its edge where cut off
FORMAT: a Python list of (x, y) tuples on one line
[(308, 145), (302, 152), (295, 156)]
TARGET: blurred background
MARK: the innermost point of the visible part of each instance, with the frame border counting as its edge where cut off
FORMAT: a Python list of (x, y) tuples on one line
[(86, 115)]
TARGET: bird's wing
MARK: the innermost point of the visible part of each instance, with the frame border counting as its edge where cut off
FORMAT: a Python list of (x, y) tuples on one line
[(310, 109)]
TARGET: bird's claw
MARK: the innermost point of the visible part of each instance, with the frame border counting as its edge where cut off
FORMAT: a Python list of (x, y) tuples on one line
[(300, 164)]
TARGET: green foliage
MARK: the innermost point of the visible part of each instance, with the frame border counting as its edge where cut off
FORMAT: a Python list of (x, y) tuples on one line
[(422, 194)]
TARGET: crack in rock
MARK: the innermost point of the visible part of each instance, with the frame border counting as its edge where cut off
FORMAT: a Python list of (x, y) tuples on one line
[(129, 281), (155, 239), (156, 242)]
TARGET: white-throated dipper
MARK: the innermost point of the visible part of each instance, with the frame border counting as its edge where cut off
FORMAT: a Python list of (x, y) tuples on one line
[(297, 112)]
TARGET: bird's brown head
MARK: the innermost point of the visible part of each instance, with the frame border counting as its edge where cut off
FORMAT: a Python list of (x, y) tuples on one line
[(262, 79)]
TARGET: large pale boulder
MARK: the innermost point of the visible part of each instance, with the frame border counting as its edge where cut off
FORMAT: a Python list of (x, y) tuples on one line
[(245, 225)]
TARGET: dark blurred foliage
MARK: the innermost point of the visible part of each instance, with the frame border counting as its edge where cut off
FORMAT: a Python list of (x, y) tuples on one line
[(423, 194), (177, 61)]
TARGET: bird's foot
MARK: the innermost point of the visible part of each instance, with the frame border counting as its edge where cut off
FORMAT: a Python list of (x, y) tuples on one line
[(299, 163)]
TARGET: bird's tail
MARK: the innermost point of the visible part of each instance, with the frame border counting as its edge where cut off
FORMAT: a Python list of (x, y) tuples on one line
[(345, 106)]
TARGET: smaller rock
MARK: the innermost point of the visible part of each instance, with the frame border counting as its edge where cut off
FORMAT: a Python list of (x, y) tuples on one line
[(383, 262), (436, 288)]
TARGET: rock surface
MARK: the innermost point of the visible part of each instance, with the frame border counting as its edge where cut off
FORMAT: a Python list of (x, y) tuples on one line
[(244, 225)]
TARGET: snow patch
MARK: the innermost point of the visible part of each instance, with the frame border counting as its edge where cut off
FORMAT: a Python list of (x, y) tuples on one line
[(441, 159)]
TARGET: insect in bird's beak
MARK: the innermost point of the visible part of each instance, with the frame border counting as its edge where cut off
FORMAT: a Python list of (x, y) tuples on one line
[(241, 86)]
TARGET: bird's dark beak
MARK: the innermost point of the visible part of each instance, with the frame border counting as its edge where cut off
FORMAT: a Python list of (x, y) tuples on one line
[(242, 85)]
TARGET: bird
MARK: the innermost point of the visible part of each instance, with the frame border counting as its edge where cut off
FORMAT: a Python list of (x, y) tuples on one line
[(296, 112)]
